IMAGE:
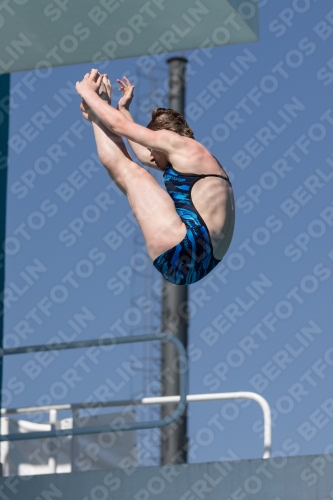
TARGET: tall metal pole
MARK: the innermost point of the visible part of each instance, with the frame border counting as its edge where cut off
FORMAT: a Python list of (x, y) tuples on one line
[(174, 312), (4, 136)]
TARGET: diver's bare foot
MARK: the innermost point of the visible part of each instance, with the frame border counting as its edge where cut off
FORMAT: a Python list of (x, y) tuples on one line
[(105, 90), (105, 93)]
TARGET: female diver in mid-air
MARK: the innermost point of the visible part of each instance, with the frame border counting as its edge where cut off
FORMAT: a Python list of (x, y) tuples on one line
[(187, 229)]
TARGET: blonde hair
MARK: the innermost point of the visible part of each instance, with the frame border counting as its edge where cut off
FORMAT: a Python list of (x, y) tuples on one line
[(168, 119)]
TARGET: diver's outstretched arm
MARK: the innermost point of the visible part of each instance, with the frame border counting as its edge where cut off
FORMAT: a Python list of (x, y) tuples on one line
[(141, 152)]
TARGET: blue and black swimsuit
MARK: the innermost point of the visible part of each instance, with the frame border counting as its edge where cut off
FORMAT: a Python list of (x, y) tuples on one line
[(191, 259)]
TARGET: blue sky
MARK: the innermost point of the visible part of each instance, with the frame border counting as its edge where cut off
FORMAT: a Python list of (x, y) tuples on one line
[(262, 320)]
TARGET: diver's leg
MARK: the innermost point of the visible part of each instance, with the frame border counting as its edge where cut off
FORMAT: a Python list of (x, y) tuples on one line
[(152, 206)]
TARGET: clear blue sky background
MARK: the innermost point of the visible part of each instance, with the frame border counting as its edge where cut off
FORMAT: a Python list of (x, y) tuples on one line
[(290, 368)]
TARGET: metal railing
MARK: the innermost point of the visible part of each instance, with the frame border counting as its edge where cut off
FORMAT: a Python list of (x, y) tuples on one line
[(181, 399), (106, 428), (191, 398)]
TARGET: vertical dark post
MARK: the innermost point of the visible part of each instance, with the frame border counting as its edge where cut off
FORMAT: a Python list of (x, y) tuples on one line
[(174, 312), (4, 128)]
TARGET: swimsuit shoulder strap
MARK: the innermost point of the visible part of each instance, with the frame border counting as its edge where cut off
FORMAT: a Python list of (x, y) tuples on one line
[(215, 175), (199, 176), (223, 176)]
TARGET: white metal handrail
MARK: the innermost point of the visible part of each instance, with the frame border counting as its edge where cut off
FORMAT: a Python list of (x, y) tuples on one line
[(191, 398)]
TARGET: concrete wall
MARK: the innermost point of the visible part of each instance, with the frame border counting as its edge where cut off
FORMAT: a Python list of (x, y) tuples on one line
[(293, 478)]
